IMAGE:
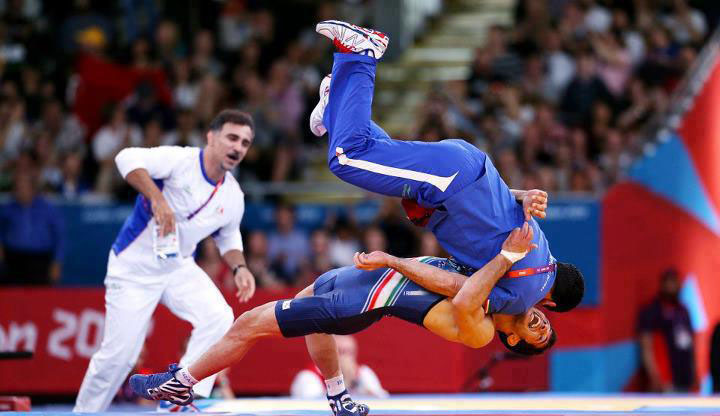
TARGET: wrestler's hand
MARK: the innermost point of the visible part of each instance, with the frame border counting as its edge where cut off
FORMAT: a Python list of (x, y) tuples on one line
[(245, 282), (371, 261), (520, 240), (534, 204)]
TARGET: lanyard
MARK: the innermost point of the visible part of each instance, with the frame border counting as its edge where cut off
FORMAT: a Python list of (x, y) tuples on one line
[(467, 271), (531, 271), (217, 186)]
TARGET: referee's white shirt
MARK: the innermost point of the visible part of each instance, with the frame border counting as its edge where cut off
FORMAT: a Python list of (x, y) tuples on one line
[(180, 173)]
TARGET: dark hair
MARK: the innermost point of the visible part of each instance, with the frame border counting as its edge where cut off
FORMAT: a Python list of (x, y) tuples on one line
[(233, 117), (569, 288), (524, 348)]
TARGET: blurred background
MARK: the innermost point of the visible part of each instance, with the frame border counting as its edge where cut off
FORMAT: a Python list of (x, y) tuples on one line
[(606, 104)]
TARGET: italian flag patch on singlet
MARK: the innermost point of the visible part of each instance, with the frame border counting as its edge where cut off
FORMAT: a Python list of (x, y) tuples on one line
[(388, 287)]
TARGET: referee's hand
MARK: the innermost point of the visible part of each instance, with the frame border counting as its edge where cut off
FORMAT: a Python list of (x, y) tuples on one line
[(245, 282), (163, 215)]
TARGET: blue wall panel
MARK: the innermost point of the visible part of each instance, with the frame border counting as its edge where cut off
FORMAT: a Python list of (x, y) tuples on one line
[(572, 228), (595, 369)]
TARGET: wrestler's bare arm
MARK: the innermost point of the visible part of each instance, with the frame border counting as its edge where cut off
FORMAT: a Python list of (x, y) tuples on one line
[(463, 319), (440, 320), (444, 282), (430, 277), (468, 302)]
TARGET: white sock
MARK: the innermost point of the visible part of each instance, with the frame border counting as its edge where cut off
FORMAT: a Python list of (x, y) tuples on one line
[(184, 376), (335, 385)]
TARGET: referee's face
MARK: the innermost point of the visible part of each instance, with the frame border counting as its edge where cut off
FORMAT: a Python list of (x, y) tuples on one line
[(230, 144)]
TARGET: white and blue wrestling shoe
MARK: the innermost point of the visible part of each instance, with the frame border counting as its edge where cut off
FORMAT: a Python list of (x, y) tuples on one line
[(345, 406), (162, 386), (349, 38), (316, 117)]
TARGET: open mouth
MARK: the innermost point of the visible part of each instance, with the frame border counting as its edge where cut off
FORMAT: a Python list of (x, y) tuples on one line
[(534, 321), (233, 156)]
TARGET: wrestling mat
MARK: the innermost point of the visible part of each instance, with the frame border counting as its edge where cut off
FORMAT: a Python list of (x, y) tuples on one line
[(460, 404)]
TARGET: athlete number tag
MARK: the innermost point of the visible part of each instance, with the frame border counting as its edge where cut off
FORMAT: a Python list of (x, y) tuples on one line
[(166, 246)]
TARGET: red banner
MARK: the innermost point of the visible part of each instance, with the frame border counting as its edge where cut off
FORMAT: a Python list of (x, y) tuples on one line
[(64, 327)]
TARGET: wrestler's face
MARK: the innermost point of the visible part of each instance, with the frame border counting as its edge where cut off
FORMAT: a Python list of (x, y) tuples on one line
[(533, 327), (230, 144)]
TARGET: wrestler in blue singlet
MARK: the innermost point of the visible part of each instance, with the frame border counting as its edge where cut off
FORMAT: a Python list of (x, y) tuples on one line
[(474, 209), (348, 300)]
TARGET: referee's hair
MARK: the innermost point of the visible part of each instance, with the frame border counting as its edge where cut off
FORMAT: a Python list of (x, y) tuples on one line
[(233, 117)]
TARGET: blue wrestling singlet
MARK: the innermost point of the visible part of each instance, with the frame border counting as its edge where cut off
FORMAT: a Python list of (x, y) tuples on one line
[(348, 300), (474, 210)]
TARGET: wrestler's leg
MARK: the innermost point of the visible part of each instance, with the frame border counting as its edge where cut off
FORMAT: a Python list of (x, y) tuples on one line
[(362, 154), (321, 347), (251, 326)]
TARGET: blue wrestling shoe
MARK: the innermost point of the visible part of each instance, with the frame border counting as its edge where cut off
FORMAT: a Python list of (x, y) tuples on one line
[(162, 386), (343, 405)]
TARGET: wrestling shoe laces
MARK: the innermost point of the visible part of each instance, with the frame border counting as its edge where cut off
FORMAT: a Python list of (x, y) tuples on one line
[(349, 38), (162, 386), (345, 406)]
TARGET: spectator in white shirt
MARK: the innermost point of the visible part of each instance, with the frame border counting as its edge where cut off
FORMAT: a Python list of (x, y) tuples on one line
[(115, 136), (686, 24), (108, 141), (360, 379)]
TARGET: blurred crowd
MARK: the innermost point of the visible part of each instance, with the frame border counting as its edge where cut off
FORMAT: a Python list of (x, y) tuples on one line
[(560, 99), (83, 79)]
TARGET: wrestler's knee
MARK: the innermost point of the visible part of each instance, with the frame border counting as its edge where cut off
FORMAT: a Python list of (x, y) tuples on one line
[(333, 164), (249, 325), (348, 174)]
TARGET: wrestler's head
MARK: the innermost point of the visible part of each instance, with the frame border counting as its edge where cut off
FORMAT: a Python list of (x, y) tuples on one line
[(527, 334)]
